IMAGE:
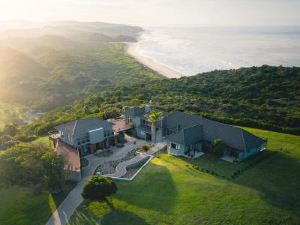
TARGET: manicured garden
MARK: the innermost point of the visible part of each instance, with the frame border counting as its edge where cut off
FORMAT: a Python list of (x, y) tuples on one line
[(171, 191)]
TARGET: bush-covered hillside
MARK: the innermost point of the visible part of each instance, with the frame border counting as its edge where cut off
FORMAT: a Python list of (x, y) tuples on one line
[(267, 97), (55, 65)]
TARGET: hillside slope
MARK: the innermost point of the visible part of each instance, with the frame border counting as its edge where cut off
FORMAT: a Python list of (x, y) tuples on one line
[(266, 97), (54, 65)]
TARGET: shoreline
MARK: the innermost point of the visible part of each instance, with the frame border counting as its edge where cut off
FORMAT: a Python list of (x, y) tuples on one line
[(131, 49)]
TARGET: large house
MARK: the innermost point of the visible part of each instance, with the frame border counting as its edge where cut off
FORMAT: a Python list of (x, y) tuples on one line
[(87, 135), (186, 135)]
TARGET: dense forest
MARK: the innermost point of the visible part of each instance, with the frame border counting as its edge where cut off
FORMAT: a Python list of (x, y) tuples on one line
[(265, 97)]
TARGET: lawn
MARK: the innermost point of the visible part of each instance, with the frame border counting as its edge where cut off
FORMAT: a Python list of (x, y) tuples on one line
[(20, 206), (171, 191)]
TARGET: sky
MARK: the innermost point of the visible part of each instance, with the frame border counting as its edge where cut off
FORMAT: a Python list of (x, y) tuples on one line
[(156, 12)]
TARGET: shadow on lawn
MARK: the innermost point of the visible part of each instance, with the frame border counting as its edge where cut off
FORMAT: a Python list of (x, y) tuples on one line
[(110, 217), (277, 179), (119, 217), (154, 190)]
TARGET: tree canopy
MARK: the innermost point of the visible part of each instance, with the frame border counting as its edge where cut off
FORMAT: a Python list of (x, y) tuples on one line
[(99, 188), (32, 165), (155, 116)]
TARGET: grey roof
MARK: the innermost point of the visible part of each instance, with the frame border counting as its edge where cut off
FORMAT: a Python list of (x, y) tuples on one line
[(183, 120), (82, 126), (234, 137), (190, 135), (231, 136)]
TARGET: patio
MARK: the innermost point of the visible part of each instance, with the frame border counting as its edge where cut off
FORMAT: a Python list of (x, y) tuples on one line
[(129, 166)]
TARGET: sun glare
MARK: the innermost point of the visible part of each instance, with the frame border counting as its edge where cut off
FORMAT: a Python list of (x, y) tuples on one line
[(22, 10)]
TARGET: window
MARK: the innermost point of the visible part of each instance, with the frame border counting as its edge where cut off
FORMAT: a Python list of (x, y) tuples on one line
[(175, 146)]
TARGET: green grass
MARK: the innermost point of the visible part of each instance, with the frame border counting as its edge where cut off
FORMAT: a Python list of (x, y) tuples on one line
[(43, 140), (170, 191), (20, 206)]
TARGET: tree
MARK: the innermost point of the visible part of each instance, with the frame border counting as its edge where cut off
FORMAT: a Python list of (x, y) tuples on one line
[(32, 165), (54, 173), (99, 188), (217, 147), (154, 117)]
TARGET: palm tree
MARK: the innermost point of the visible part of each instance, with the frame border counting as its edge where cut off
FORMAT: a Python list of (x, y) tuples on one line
[(153, 118)]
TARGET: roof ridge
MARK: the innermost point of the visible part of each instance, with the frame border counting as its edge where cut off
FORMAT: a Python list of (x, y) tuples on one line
[(193, 126), (243, 139), (218, 122), (74, 128)]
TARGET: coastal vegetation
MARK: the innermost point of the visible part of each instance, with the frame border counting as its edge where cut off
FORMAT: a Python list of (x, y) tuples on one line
[(262, 97), (53, 67), (35, 166)]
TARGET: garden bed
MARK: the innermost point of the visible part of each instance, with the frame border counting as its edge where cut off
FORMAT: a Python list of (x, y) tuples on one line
[(110, 167)]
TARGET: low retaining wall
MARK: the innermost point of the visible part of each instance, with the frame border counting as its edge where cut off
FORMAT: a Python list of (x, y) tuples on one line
[(144, 161), (140, 160), (121, 169)]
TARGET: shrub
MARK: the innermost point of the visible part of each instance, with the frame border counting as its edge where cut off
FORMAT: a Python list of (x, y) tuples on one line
[(99, 188), (217, 147), (145, 148)]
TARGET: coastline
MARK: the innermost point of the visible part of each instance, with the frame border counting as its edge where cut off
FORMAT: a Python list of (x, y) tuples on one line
[(131, 49)]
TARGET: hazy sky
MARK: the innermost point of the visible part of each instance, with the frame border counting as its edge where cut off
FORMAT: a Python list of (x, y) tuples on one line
[(156, 12)]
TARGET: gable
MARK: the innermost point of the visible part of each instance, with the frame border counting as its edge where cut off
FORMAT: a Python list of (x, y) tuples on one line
[(82, 126), (252, 141)]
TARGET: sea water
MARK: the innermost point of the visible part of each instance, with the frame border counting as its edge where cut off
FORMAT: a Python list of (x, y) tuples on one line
[(195, 49)]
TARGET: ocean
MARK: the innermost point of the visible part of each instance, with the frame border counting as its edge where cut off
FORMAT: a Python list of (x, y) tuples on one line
[(192, 50)]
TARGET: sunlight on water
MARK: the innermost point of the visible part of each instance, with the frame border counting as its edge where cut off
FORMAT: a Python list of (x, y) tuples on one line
[(200, 49)]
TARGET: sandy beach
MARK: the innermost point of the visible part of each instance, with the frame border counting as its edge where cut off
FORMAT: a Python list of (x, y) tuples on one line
[(131, 49)]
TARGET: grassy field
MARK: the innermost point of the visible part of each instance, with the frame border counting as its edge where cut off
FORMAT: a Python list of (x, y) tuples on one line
[(20, 206), (171, 191)]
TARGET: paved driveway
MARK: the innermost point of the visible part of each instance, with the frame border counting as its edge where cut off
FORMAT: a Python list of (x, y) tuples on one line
[(74, 199)]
